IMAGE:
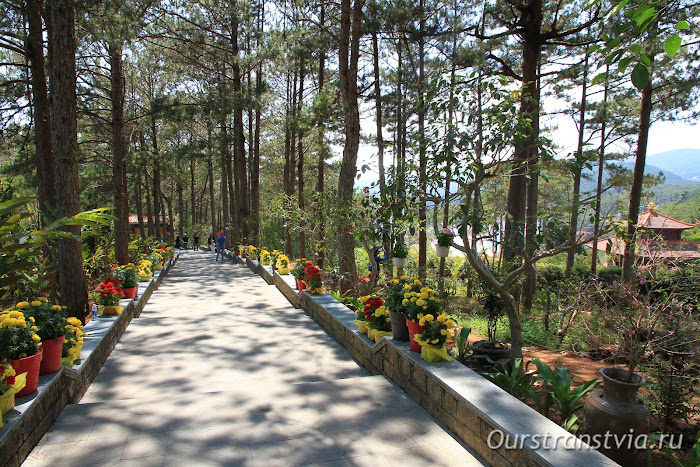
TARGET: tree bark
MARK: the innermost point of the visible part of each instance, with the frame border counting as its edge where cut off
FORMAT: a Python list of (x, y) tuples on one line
[(139, 203), (121, 196), (526, 150), (578, 169), (180, 209), (637, 182), (193, 162), (239, 152), (300, 163), (65, 149), (320, 182), (149, 207), (349, 51), (599, 184), (42, 110), (422, 157)]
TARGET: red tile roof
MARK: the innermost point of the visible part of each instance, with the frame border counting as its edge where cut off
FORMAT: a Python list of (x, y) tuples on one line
[(654, 220)]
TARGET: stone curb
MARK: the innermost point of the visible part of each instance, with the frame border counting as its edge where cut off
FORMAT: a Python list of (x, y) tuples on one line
[(34, 414)]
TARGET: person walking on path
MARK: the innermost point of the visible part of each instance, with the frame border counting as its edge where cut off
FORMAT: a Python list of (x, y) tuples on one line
[(212, 247), (220, 244), (184, 241), (195, 247), (178, 243)]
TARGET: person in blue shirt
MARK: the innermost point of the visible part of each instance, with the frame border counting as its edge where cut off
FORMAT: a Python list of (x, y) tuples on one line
[(377, 259), (220, 244)]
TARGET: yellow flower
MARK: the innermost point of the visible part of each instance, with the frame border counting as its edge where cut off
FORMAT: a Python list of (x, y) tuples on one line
[(36, 337), (435, 341), (9, 371), (417, 282), (56, 307), (31, 318), (15, 314), (421, 322), (407, 295), (394, 281), (413, 299), (449, 323), (407, 287), (404, 302), (441, 318), (22, 305), (404, 277), (35, 329), (36, 303), (420, 302), (424, 295), (429, 318), (443, 332)]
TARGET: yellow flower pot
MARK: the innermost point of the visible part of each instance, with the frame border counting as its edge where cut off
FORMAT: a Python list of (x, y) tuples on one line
[(283, 271), (110, 310), (361, 325), (69, 361), (7, 400)]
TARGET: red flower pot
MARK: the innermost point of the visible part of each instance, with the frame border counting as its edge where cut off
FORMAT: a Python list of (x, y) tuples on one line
[(301, 285), (29, 365), (131, 292), (413, 329), (53, 349)]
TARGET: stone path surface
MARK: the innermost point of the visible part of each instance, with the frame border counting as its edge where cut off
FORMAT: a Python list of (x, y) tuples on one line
[(221, 370)]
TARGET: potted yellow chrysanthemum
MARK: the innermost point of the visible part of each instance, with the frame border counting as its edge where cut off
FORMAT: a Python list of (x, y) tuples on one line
[(432, 339)]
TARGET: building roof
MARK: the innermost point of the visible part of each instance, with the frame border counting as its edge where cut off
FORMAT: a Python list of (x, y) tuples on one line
[(655, 221), (650, 248)]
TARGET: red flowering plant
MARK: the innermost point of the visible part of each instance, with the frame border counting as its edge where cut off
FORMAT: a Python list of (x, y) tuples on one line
[(7, 377), (109, 292), (312, 277), (376, 315)]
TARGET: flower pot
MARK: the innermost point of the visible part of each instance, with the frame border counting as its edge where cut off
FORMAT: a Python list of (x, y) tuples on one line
[(377, 335), (398, 326), (399, 262), (51, 362), (111, 310), (131, 292), (361, 326), (29, 365), (301, 285), (69, 361), (492, 353), (242, 255), (316, 291), (615, 409), (442, 251), (283, 271), (413, 329), (7, 400)]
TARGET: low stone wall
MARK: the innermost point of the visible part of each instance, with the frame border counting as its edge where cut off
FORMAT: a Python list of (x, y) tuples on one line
[(467, 404), (266, 273), (253, 264), (34, 414)]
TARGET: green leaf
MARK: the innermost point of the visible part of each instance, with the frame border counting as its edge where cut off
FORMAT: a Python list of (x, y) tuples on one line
[(599, 78), (672, 45), (645, 59), (636, 48), (617, 9), (647, 15), (640, 76), (681, 25), (624, 63)]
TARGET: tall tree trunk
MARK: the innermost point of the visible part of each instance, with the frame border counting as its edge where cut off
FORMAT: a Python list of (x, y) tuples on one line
[(65, 149), (239, 153), (349, 52), (578, 169), (320, 183), (149, 207), (210, 175), (121, 196), (525, 150), (156, 181), (637, 181), (422, 157), (290, 164), (378, 106), (599, 183), (193, 162), (225, 186), (300, 163), (180, 209), (139, 202), (42, 110), (255, 168)]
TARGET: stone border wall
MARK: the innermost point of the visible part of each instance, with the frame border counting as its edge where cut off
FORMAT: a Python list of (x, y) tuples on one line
[(466, 403), (34, 414)]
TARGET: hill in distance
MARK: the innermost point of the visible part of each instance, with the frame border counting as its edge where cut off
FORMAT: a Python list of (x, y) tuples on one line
[(683, 162)]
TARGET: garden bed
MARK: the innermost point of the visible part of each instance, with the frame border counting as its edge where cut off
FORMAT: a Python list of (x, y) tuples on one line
[(34, 414)]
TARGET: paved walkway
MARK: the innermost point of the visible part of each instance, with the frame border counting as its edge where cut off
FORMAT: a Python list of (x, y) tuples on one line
[(221, 370)]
